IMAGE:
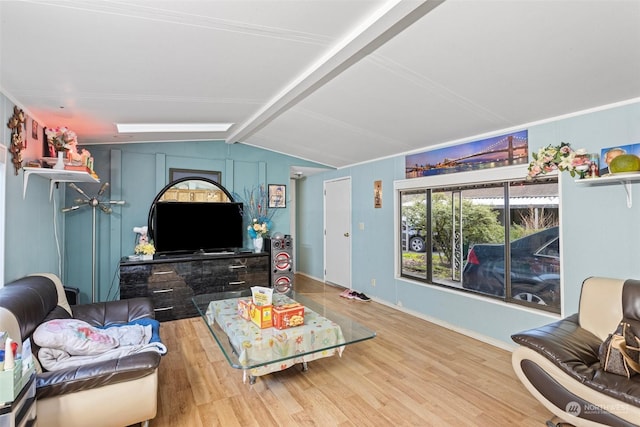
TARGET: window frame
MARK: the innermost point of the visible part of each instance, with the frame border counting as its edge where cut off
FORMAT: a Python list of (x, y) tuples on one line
[(499, 175)]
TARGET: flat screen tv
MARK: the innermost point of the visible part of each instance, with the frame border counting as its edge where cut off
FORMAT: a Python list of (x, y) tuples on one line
[(185, 227)]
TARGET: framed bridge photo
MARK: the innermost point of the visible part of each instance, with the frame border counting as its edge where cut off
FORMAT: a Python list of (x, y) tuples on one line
[(502, 150)]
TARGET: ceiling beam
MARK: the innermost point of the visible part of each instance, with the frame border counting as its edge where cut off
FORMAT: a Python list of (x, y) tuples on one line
[(387, 22)]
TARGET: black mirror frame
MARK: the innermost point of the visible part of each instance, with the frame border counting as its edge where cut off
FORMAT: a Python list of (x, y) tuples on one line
[(152, 209)]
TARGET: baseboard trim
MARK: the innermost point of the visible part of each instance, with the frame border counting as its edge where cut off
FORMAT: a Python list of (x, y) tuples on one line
[(472, 334)]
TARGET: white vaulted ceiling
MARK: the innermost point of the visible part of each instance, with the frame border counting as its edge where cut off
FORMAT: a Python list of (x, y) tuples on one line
[(335, 82)]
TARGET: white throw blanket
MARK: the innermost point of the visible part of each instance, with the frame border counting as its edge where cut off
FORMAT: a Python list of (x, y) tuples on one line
[(66, 343)]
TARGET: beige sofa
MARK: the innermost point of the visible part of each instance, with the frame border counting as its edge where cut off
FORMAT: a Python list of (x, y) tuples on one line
[(559, 365), (117, 392)]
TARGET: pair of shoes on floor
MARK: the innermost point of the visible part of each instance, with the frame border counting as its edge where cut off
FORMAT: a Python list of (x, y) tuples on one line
[(348, 293), (361, 297)]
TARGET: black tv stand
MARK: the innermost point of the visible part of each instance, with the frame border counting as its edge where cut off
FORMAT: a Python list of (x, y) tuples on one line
[(172, 280)]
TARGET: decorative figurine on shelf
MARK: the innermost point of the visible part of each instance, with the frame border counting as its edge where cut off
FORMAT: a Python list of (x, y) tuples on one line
[(143, 247), (141, 238), (63, 143), (581, 163)]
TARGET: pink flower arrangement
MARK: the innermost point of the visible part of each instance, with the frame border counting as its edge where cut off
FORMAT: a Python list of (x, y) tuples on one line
[(61, 138), (64, 139), (550, 158)]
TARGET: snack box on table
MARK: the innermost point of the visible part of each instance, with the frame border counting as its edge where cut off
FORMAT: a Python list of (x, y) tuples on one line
[(261, 315), (288, 315)]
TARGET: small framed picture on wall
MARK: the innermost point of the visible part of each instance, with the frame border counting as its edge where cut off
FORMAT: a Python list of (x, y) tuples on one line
[(277, 196), (47, 149), (34, 129), (609, 153), (377, 194)]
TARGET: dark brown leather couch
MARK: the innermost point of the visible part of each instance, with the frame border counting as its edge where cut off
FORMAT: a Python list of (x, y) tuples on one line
[(558, 363), (116, 392)]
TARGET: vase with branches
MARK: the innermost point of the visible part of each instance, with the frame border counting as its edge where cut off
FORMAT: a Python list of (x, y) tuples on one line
[(255, 210)]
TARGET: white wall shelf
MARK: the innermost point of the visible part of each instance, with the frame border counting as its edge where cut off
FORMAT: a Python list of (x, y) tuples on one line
[(626, 179), (56, 176)]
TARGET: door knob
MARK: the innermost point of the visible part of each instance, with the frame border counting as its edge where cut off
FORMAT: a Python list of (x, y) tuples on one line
[(346, 234)]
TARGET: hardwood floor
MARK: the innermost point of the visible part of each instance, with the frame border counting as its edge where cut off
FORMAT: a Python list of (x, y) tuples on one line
[(414, 373)]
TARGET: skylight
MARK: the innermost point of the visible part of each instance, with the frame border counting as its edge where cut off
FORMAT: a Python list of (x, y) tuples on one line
[(172, 127)]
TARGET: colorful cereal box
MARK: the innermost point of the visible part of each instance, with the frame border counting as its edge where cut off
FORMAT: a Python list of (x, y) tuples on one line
[(261, 315)]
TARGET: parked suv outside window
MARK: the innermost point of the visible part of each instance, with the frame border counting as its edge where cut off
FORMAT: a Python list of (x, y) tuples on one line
[(535, 268), (412, 239)]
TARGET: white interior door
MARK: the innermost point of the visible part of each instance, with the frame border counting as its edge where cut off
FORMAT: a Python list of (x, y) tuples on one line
[(337, 232)]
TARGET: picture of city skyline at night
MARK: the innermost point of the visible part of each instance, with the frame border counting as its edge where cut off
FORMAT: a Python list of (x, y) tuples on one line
[(503, 150)]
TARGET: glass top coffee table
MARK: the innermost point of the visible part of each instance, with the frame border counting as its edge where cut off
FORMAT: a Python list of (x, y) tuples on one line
[(259, 351)]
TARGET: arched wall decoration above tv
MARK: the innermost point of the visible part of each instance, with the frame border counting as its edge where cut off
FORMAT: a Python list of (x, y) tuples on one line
[(195, 215)]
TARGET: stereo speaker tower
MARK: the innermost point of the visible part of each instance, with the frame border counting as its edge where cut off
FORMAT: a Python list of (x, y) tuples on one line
[(281, 263)]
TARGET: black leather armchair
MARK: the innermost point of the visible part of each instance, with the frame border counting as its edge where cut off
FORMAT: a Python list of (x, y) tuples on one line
[(558, 363), (120, 392)]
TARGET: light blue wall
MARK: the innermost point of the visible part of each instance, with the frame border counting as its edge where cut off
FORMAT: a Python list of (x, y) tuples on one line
[(30, 235), (599, 233), (39, 238), (136, 173)]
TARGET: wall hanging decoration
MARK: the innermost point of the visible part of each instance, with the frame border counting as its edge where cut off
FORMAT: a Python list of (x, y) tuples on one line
[(277, 196), (377, 194), (34, 129), (559, 157), (16, 124), (502, 150)]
